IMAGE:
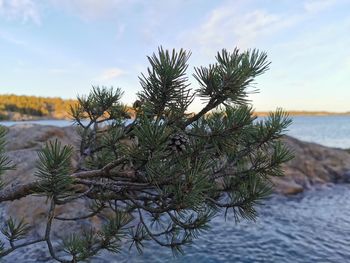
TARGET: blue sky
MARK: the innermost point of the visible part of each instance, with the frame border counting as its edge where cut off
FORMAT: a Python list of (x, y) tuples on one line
[(63, 47)]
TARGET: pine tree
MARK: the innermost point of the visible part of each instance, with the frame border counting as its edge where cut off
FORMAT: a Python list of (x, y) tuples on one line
[(165, 174)]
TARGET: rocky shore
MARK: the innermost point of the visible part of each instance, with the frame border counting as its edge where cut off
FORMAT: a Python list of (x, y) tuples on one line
[(313, 165)]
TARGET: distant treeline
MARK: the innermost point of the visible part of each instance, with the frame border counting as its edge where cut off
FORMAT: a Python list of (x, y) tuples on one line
[(14, 107), (34, 106), (306, 113)]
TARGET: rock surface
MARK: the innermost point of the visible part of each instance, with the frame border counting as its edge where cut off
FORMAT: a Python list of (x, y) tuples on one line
[(23, 141), (313, 164)]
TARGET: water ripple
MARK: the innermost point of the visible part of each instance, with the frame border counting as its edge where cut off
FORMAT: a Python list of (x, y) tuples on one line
[(312, 227)]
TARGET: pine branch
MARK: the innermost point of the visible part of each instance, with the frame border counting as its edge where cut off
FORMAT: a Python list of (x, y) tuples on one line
[(167, 174)]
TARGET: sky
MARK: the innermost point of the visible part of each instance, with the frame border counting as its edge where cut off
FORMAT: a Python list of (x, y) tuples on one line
[(64, 47)]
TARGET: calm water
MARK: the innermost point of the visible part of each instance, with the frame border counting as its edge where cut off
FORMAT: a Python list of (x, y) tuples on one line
[(58, 123), (332, 131), (311, 227)]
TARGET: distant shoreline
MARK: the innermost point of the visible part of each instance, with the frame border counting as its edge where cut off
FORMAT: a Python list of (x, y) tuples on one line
[(306, 113), (25, 118), (26, 108)]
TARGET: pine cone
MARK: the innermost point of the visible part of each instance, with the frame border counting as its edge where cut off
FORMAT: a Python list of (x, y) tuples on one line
[(178, 142)]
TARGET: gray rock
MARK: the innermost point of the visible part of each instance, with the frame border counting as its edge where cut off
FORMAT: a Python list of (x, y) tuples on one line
[(346, 177), (313, 165)]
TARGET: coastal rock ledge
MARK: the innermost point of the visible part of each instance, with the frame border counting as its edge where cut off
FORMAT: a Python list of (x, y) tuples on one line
[(313, 164)]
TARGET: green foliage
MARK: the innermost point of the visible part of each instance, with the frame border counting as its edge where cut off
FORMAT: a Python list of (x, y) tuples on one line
[(36, 106), (138, 235), (166, 174), (114, 231), (54, 166), (99, 103), (165, 87), (81, 246), (227, 80), (2, 247), (5, 162), (14, 231), (3, 117), (88, 243), (74, 245)]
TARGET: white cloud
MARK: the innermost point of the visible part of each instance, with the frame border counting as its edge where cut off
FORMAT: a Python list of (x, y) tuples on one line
[(24, 10), (111, 73), (231, 24), (246, 25)]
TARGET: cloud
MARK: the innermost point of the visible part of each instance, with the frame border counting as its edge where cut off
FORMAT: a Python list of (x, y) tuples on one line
[(237, 24), (24, 10), (111, 73), (244, 28), (246, 24)]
